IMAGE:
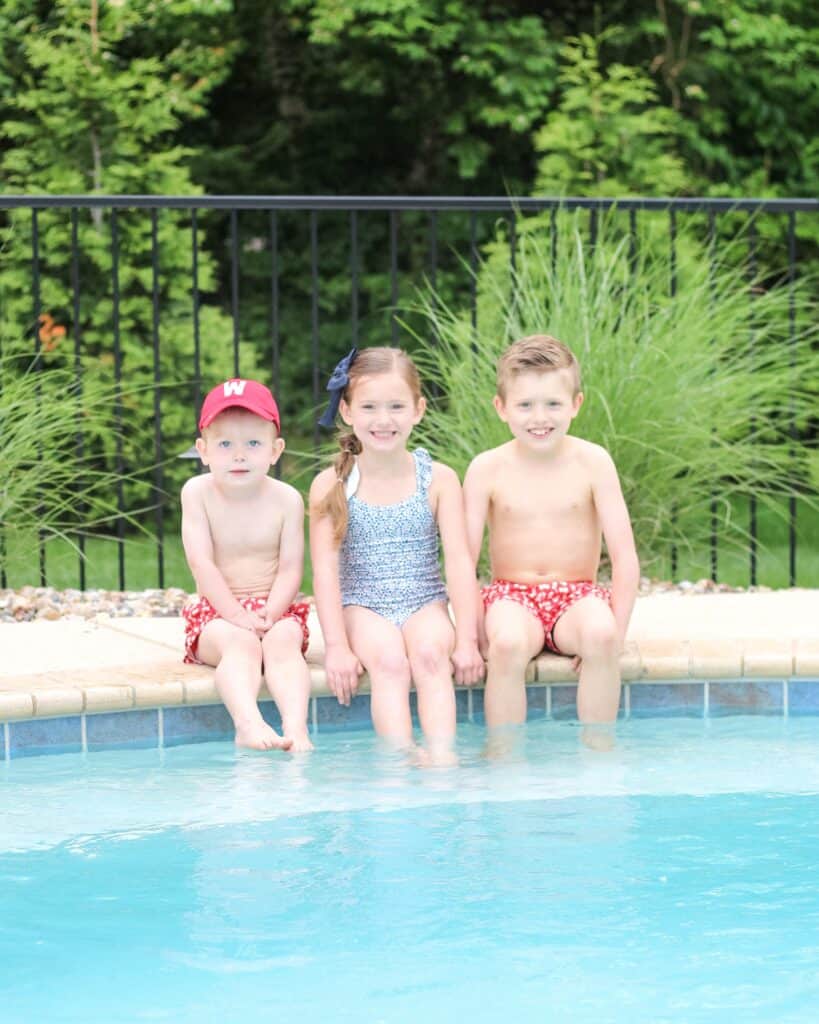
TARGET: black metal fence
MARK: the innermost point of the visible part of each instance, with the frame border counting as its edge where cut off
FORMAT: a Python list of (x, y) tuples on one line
[(294, 278)]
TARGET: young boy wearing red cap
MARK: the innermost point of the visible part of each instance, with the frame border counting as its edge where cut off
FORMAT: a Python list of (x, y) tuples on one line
[(243, 534)]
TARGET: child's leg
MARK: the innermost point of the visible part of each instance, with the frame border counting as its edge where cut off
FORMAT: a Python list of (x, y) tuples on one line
[(288, 679), (430, 638), (587, 630), (379, 646), (514, 637), (237, 655)]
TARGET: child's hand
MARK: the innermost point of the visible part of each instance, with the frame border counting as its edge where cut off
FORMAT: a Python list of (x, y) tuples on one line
[(467, 664), (250, 620), (342, 668)]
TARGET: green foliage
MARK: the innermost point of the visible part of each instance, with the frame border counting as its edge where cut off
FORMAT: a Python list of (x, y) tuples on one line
[(87, 115), (689, 393), (608, 134), (42, 467)]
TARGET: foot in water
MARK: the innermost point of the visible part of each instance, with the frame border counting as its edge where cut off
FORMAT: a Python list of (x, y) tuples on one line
[(260, 736)]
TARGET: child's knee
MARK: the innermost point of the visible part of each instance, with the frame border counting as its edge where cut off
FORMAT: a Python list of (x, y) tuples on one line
[(431, 657), (392, 665), (598, 637), (507, 646)]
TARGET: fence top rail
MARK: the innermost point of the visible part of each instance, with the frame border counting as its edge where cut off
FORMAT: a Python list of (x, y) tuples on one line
[(468, 204)]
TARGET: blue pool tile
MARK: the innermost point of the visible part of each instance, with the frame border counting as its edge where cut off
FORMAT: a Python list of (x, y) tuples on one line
[(535, 702), (197, 724), (667, 699), (564, 701), (45, 736), (477, 704), (803, 697), (462, 705), (270, 713), (332, 715), (745, 698), (122, 729)]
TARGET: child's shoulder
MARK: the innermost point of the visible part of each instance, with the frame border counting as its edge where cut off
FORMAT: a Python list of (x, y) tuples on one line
[(322, 483), (283, 494), (488, 461), (591, 453), (196, 487)]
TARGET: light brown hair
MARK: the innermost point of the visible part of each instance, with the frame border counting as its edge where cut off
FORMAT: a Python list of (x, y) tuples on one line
[(368, 363), (537, 353)]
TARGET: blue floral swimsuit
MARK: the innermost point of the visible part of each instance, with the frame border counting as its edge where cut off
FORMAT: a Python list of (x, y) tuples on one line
[(388, 561)]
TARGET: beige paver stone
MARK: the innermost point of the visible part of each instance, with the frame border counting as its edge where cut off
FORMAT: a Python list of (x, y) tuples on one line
[(156, 695), (664, 659), (631, 662), (715, 659), (15, 704), (551, 668), (58, 700), (767, 657), (201, 690), (806, 658), (318, 683), (109, 698)]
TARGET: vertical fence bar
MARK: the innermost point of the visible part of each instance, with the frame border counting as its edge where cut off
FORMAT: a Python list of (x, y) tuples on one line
[(275, 327), (38, 366), (792, 417), (553, 238), (158, 474), (314, 317), (752, 508), (632, 243), (75, 307), (473, 275), (197, 351), (119, 460), (592, 228), (234, 286), (354, 277), (672, 284), (393, 276), (712, 273)]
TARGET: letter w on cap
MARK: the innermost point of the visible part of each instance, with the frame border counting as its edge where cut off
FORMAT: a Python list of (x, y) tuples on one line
[(234, 387)]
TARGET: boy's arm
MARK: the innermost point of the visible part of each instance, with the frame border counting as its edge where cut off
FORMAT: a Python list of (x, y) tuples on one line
[(198, 545), (291, 556), (340, 663), (619, 538), (460, 574)]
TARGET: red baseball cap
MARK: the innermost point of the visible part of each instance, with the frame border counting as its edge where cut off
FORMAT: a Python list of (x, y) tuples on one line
[(240, 394)]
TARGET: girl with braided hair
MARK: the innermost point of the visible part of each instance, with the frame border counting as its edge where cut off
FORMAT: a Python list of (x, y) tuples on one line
[(376, 518)]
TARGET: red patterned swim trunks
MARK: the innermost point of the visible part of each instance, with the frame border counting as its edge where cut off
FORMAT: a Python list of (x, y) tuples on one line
[(199, 612), (546, 601)]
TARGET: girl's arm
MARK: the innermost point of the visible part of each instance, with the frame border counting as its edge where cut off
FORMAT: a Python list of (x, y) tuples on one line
[(198, 545), (460, 573), (291, 555), (341, 666)]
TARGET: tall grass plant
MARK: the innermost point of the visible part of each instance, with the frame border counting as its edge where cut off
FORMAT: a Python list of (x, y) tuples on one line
[(701, 391)]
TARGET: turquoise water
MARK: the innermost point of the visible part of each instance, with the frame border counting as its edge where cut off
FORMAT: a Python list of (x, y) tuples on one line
[(675, 878)]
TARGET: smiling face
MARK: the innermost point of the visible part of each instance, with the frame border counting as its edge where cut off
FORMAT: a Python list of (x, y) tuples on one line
[(382, 410), (539, 407), (239, 448)]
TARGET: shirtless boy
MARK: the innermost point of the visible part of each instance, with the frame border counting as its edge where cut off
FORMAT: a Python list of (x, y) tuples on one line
[(548, 499), (243, 535)]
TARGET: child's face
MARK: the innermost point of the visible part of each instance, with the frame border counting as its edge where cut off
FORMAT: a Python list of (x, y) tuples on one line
[(539, 408), (239, 447), (382, 411)]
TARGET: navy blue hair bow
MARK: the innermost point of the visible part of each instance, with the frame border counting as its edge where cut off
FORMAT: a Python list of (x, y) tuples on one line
[(339, 379)]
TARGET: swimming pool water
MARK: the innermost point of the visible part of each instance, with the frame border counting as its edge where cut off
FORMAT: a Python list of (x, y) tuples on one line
[(674, 878)]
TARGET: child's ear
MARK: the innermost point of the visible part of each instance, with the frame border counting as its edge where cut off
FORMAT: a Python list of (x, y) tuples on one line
[(344, 412), (577, 402), (278, 449), (202, 450), (500, 409), (420, 409)]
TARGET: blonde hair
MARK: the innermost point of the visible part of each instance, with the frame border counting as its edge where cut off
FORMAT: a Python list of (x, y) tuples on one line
[(369, 362), (537, 353)]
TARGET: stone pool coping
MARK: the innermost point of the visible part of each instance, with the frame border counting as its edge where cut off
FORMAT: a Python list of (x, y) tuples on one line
[(70, 667)]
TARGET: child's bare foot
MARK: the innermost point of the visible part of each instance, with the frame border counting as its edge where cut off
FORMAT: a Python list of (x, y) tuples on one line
[(598, 737), (300, 742), (260, 736)]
